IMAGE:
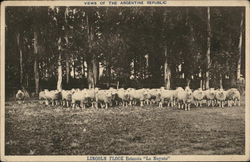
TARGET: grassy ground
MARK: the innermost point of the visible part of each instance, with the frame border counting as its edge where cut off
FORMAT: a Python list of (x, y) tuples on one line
[(34, 129)]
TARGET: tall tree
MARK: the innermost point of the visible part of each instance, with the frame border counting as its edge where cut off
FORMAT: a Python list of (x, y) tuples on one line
[(59, 66), (208, 63), (167, 69), (36, 68), (19, 37), (91, 58), (36, 37), (240, 46)]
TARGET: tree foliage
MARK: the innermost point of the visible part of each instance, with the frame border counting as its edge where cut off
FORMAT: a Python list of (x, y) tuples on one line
[(101, 46)]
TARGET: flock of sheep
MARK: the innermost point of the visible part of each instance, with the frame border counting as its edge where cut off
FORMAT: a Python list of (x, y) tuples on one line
[(180, 98)]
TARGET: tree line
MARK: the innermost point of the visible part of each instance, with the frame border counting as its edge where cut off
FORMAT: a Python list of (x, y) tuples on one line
[(86, 47)]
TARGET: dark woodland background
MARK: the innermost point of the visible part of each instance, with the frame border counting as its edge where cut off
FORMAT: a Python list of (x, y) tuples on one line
[(80, 47)]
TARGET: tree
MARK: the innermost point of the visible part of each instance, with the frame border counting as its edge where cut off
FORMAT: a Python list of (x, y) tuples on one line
[(36, 70), (240, 47), (208, 63), (137, 47), (19, 37), (167, 69), (92, 62)]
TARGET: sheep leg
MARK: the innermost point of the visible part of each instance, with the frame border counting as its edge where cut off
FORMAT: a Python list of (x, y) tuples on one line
[(212, 103), (220, 103), (130, 103), (185, 106), (95, 105), (238, 102), (171, 104), (160, 104), (46, 102), (81, 104), (141, 103), (208, 102)]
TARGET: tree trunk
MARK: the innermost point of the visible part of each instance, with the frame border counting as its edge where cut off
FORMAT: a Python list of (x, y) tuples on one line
[(74, 70), (240, 47), (36, 76), (67, 69), (97, 71), (188, 81), (117, 85), (208, 47), (83, 67), (109, 75), (167, 71), (221, 86), (203, 80), (90, 74), (19, 46), (232, 78), (36, 68), (59, 72), (27, 80), (95, 68), (91, 62)]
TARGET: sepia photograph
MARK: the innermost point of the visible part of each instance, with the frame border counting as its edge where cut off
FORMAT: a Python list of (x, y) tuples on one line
[(124, 80)]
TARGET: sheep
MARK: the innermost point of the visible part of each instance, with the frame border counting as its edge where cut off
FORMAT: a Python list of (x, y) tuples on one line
[(198, 97), (233, 97), (104, 96), (52, 96), (20, 96), (166, 95), (210, 96), (184, 99), (67, 97), (220, 96), (123, 95), (41, 97)]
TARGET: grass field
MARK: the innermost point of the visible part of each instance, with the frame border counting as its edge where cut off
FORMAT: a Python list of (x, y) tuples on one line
[(34, 129)]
